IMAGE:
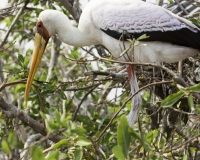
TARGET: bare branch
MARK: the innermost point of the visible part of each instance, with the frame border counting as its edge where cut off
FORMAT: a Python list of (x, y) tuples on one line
[(71, 9), (13, 23), (177, 78), (11, 112), (122, 107), (79, 105), (183, 9)]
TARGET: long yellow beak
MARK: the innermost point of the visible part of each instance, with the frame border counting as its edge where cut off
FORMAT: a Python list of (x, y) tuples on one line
[(38, 51)]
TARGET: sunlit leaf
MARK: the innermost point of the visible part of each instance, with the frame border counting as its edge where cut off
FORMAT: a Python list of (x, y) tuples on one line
[(83, 142), (195, 88), (118, 153), (142, 141), (144, 36), (136, 43), (12, 139), (185, 157), (123, 135), (191, 102), (5, 147), (79, 131), (181, 88), (125, 51), (195, 21), (78, 154), (61, 143), (53, 156), (172, 99), (37, 154), (107, 84)]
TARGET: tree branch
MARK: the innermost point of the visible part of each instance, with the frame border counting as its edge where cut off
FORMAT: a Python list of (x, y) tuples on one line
[(13, 23), (11, 112), (122, 107), (71, 9), (177, 78)]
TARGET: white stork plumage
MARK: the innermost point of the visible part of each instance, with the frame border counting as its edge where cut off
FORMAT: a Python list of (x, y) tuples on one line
[(171, 38)]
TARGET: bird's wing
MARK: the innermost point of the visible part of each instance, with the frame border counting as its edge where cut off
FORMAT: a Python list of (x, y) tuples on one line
[(137, 18)]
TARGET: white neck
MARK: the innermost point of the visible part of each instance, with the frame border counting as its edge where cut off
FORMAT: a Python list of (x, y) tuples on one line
[(73, 36), (58, 23)]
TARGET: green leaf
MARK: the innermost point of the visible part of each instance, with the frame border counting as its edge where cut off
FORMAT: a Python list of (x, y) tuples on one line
[(61, 94), (195, 88), (35, 2), (144, 36), (125, 51), (142, 141), (172, 99), (191, 102), (60, 143), (68, 105), (26, 61), (37, 154), (136, 43), (123, 135), (12, 140), (74, 53), (54, 81), (78, 154), (7, 21), (5, 147), (185, 157), (118, 153), (79, 131), (151, 135), (20, 60), (83, 142), (181, 88), (53, 156), (107, 84), (195, 21), (14, 70)]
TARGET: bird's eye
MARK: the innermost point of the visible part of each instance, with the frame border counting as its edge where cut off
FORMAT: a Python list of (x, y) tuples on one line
[(39, 25)]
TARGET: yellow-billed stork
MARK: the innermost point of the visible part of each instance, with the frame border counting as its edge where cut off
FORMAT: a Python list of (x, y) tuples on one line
[(171, 38)]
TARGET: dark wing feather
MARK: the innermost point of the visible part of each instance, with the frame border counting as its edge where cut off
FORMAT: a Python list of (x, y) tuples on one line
[(183, 37)]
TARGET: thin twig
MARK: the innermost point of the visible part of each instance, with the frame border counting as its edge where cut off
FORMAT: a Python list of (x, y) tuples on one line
[(71, 9), (10, 112), (115, 115), (4, 84), (180, 111), (183, 9), (79, 105), (13, 23), (176, 76), (184, 143)]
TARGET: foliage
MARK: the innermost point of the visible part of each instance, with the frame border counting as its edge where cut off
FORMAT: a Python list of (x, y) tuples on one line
[(75, 104)]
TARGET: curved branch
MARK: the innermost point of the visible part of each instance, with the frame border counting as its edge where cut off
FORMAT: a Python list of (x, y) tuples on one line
[(115, 115), (73, 11), (177, 78), (11, 112)]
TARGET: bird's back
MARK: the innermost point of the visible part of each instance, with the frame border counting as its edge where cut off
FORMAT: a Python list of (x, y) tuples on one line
[(135, 18)]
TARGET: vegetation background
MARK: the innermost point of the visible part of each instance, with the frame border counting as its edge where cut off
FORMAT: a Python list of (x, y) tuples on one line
[(79, 101)]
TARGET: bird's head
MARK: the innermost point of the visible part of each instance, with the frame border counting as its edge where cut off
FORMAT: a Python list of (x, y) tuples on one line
[(45, 28)]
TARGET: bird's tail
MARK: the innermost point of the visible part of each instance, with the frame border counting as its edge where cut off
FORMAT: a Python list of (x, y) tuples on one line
[(136, 100)]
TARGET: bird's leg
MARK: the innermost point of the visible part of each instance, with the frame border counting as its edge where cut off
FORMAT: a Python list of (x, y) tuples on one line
[(136, 100), (130, 71)]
